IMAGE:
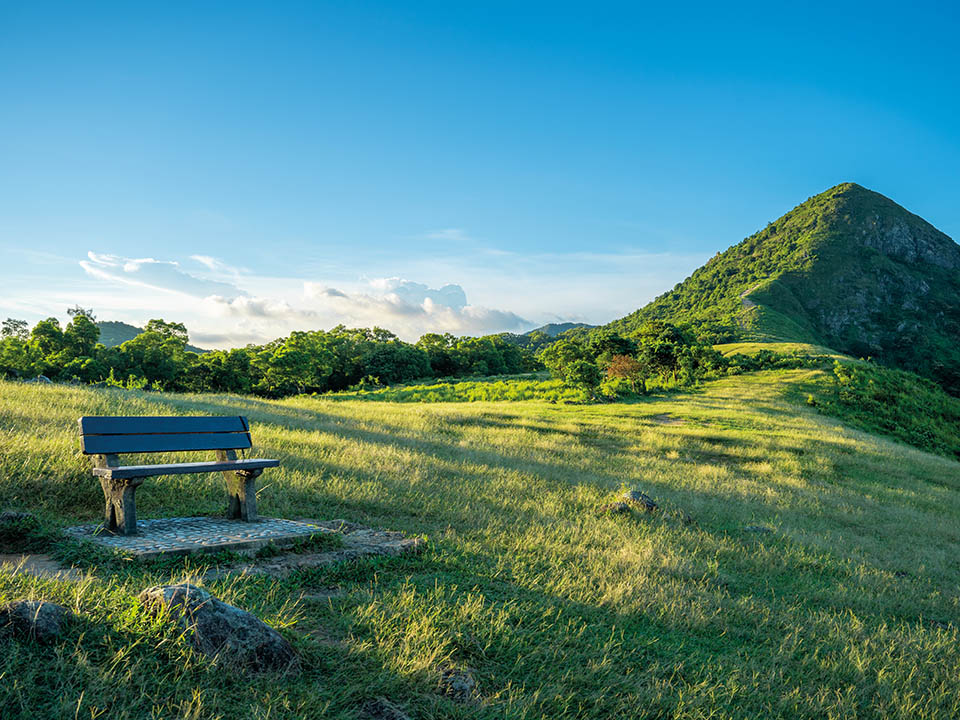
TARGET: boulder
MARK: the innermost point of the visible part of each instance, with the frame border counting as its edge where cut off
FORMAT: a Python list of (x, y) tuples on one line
[(218, 630), (458, 684), (640, 499), (33, 620), (18, 517), (382, 709)]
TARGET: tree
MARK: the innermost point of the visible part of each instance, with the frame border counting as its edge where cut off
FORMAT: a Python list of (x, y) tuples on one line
[(15, 329), (559, 356), (81, 335), (168, 330), (629, 369), (47, 337), (585, 375), (76, 310), (604, 344)]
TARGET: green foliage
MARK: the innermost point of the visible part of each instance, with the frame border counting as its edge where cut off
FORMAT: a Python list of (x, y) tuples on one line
[(848, 269), (892, 402), (657, 352), (159, 358), (24, 534)]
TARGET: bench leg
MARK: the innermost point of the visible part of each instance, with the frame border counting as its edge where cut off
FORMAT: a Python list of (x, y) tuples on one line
[(120, 514), (242, 495), (241, 490)]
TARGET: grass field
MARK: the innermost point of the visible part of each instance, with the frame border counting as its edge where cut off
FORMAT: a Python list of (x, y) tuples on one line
[(847, 607), (784, 348)]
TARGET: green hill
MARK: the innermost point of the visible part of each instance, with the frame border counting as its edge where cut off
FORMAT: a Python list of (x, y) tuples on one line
[(849, 269), (116, 332), (554, 329)]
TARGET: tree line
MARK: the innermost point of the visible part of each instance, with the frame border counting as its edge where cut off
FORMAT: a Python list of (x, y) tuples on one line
[(303, 362), (601, 362)]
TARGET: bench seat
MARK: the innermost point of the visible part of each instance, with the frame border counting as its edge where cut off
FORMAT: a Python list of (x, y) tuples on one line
[(145, 471)]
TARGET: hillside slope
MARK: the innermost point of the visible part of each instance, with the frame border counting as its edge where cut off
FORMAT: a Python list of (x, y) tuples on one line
[(849, 269), (795, 568), (116, 332)]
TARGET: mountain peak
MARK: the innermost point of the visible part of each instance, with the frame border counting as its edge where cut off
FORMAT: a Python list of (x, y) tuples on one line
[(848, 268)]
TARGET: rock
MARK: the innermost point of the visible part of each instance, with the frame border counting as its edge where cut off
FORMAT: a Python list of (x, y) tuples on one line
[(223, 631), (614, 508), (382, 709), (458, 684), (640, 499), (759, 529), (19, 517), (34, 620)]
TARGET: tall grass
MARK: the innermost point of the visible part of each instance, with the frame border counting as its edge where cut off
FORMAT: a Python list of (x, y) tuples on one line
[(847, 607)]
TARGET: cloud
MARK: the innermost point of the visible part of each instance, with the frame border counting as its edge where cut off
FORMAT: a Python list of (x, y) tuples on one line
[(411, 309), (451, 296), (164, 275), (482, 290)]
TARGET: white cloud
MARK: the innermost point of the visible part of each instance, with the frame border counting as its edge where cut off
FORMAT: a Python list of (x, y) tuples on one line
[(468, 290), (164, 275)]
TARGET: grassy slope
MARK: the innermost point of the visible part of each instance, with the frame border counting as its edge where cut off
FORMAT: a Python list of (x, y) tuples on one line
[(785, 348), (848, 608)]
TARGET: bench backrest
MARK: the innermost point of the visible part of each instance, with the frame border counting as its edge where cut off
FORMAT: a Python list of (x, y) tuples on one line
[(114, 435)]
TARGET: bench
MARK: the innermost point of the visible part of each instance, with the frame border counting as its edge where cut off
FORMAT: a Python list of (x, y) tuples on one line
[(105, 438)]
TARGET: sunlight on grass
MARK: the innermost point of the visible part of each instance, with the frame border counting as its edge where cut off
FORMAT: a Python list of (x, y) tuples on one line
[(844, 603)]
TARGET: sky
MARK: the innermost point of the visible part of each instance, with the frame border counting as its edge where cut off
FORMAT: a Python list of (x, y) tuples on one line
[(251, 169)]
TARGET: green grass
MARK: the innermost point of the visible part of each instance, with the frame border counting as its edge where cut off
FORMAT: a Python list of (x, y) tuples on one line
[(892, 402), (847, 608), (536, 386), (782, 348)]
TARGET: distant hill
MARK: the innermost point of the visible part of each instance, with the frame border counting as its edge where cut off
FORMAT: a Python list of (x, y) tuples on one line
[(115, 332), (849, 269), (554, 329)]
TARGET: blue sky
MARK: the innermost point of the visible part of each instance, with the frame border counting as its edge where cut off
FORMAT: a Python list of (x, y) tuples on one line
[(253, 168)]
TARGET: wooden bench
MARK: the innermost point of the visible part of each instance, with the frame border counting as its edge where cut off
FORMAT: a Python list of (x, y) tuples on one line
[(105, 438)]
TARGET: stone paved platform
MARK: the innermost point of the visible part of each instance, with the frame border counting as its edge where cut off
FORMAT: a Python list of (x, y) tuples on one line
[(182, 536)]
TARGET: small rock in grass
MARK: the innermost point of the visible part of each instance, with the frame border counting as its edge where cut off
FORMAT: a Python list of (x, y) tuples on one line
[(220, 630), (759, 529), (458, 684), (33, 620), (382, 709), (614, 508), (639, 498), (18, 517), (901, 574)]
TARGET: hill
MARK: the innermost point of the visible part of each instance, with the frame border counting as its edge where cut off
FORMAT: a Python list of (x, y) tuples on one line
[(848, 269), (795, 567), (554, 329), (115, 332)]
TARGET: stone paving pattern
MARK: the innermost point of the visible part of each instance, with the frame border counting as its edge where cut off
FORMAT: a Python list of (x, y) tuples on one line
[(180, 536)]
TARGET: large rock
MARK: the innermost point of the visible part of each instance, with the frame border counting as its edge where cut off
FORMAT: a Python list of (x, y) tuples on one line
[(222, 631), (640, 499), (33, 620)]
